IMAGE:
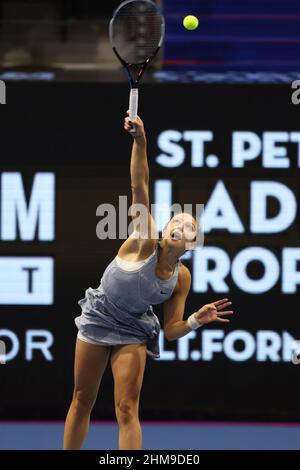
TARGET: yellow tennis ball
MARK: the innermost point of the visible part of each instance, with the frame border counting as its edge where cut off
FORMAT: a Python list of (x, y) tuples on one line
[(191, 22)]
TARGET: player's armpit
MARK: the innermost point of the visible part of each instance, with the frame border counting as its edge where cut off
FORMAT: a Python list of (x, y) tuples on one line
[(145, 227)]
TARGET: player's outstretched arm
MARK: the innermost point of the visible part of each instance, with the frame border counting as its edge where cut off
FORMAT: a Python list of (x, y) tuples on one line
[(139, 172)]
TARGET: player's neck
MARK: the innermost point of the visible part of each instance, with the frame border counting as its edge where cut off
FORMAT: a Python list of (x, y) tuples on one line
[(167, 256)]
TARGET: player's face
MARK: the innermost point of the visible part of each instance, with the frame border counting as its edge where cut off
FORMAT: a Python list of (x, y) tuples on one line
[(181, 228)]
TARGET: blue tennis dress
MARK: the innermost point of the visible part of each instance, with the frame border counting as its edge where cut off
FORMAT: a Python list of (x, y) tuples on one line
[(120, 311)]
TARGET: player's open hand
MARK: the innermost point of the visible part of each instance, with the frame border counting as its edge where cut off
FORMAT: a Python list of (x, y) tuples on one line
[(135, 127), (212, 312)]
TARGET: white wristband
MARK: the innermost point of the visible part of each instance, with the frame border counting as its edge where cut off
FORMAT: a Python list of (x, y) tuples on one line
[(193, 322)]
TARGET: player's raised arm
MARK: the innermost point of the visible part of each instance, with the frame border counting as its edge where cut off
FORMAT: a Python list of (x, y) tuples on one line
[(139, 172)]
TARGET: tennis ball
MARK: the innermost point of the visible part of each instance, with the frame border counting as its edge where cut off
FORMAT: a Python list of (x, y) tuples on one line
[(191, 22)]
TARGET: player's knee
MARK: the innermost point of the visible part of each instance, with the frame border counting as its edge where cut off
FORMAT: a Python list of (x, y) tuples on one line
[(83, 400), (126, 410)]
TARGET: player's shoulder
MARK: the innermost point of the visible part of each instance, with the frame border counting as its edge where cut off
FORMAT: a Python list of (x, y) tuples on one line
[(184, 278), (184, 270)]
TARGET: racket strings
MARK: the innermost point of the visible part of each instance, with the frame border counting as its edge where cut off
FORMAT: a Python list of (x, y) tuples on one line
[(137, 32)]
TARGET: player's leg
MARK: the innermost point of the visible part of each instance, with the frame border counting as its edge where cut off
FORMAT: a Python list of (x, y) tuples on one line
[(128, 365), (90, 364)]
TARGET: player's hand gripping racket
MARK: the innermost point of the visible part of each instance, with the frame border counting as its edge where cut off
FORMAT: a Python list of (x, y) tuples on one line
[(136, 32)]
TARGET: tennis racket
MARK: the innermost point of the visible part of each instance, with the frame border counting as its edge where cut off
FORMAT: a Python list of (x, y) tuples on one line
[(136, 32)]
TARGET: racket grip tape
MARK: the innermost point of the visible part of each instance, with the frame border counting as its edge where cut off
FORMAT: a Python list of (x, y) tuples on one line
[(133, 103)]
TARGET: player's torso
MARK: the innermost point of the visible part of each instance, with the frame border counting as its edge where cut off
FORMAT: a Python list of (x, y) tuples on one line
[(135, 290)]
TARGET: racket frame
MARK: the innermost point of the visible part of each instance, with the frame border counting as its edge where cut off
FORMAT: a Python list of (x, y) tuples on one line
[(140, 66)]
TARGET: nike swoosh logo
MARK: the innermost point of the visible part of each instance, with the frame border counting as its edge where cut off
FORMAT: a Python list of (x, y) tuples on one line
[(163, 292)]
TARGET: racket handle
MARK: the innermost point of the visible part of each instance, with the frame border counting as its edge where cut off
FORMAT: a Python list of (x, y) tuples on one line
[(133, 103)]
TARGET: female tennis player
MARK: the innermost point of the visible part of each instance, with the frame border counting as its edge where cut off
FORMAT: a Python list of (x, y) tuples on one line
[(117, 319)]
